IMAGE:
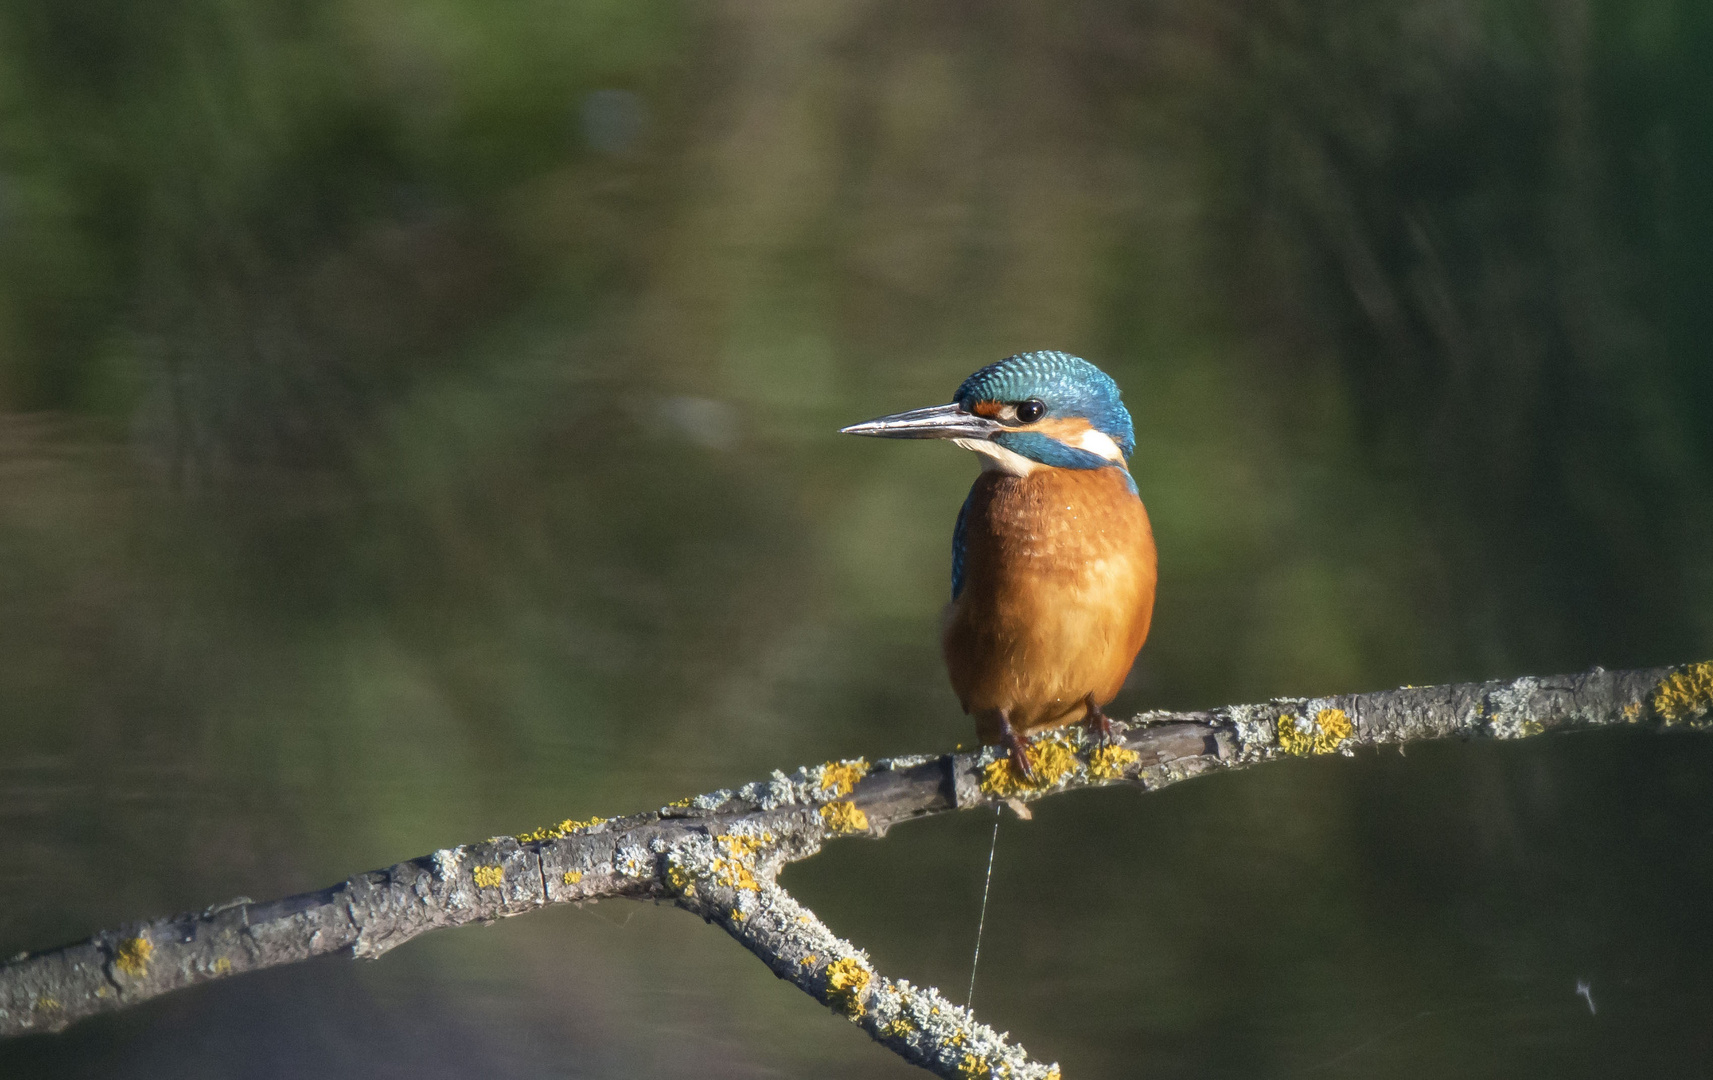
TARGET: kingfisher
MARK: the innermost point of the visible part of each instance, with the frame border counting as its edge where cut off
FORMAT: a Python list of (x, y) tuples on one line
[(1053, 561)]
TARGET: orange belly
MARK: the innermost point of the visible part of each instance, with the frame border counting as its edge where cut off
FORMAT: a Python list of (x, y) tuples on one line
[(1058, 591)]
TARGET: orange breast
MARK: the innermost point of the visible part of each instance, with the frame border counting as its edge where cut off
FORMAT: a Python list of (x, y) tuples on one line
[(1059, 571)]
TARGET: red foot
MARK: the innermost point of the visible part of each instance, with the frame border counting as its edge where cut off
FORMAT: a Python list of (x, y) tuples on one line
[(1018, 746), (1099, 724)]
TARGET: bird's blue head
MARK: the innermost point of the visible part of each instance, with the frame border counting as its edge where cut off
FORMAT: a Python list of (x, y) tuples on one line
[(1035, 408)]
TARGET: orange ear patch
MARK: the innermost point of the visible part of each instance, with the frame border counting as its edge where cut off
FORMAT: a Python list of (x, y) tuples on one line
[(989, 409)]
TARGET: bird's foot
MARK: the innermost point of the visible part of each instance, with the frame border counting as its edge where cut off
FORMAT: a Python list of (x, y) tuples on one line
[(1099, 725), (1018, 747)]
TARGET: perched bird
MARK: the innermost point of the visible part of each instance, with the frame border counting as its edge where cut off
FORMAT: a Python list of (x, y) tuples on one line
[(1053, 563)]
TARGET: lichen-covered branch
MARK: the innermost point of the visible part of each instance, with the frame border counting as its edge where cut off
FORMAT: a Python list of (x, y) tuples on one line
[(719, 855)]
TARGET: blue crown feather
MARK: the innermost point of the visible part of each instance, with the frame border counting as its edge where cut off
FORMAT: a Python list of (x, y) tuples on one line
[(1069, 386)]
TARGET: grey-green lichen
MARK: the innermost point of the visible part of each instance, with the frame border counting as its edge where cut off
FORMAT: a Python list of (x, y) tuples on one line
[(807, 786), (633, 861), (1293, 726), (947, 1037), (721, 873), (729, 877), (918, 1022), (1507, 710), (1256, 727)]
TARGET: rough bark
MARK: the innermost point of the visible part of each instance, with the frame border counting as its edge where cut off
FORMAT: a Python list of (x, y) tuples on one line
[(718, 855)]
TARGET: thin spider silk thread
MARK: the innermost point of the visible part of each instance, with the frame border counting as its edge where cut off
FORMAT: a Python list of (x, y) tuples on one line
[(981, 923)]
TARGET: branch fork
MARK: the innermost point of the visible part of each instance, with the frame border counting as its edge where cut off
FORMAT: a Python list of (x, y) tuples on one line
[(719, 855)]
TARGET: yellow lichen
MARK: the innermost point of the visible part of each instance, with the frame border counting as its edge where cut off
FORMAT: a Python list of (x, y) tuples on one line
[(737, 870), (1685, 694), (741, 846), (1293, 740), (735, 875), (837, 778), (1334, 727), (133, 958), (1633, 711), (572, 877), (1109, 762), (1322, 735), (808, 961), (844, 817), (560, 831), (847, 979), (680, 804), (737, 916), (1052, 759), (898, 1028), (681, 882), (222, 966), (47, 1004), (972, 1067), (489, 877), (1000, 778)]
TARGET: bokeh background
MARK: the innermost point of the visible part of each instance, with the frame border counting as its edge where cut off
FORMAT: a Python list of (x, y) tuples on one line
[(416, 424)]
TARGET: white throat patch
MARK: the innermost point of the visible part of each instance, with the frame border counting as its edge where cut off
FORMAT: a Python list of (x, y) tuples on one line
[(996, 458)]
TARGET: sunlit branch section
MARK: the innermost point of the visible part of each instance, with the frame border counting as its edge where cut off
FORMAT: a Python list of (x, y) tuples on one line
[(718, 854), (729, 880)]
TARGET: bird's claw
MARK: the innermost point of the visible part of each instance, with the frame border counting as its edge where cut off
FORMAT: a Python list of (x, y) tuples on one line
[(1017, 746), (1100, 725)]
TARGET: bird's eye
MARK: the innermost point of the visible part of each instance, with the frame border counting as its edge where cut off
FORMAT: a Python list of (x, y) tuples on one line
[(1031, 411)]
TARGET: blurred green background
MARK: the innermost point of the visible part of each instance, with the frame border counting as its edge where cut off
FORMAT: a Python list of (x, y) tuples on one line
[(416, 424)]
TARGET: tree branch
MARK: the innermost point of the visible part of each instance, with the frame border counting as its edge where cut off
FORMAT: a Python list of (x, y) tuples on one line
[(719, 855)]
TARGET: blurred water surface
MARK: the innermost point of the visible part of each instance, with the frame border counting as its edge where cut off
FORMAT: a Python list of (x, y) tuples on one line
[(416, 424)]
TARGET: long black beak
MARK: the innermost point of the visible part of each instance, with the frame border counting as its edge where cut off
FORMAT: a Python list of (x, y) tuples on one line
[(939, 422)]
